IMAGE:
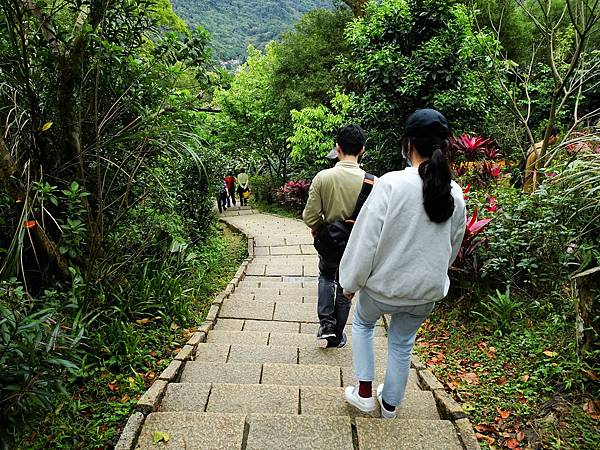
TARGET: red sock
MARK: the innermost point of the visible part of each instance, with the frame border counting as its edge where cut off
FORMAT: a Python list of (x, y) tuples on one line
[(365, 389)]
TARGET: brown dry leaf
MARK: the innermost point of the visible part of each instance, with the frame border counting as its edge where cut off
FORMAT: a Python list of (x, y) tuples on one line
[(503, 413), (520, 436), (102, 428), (153, 353), (525, 378), (150, 375), (452, 385), (113, 386), (549, 353), (592, 408), (471, 378), (125, 398), (482, 437), (591, 375), (502, 380), (512, 443), (483, 427), (142, 321)]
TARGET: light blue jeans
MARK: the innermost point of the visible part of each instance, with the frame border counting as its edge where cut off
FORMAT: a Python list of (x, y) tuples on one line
[(402, 332)]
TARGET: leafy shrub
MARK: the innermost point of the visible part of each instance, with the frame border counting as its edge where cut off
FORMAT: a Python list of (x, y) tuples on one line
[(500, 311), (294, 194), (408, 54), (37, 348), (263, 188)]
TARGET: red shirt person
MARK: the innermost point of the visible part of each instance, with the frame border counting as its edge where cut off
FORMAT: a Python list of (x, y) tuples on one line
[(230, 183)]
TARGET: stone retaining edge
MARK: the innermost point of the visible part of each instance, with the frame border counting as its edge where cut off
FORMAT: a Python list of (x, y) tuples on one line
[(150, 400), (449, 408)]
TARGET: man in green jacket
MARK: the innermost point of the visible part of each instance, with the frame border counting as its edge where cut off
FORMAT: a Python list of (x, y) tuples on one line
[(333, 195)]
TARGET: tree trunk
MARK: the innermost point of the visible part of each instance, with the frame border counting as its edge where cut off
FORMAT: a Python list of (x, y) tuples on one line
[(587, 288), (16, 191)]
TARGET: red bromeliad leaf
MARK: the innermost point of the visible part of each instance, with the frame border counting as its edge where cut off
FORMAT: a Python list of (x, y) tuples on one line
[(492, 207), (478, 226)]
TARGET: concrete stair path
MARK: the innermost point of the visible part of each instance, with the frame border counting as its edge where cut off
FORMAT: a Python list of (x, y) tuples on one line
[(263, 381)]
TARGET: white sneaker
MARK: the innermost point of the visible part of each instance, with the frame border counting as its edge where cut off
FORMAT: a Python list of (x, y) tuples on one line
[(364, 404), (384, 412)]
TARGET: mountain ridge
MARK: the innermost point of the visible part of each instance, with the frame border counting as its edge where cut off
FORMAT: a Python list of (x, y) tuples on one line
[(234, 24)]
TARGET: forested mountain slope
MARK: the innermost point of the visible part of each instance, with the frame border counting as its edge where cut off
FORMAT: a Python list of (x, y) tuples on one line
[(234, 24)]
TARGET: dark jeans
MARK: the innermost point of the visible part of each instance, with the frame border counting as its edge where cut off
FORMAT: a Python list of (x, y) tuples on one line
[(332, 307), (222, 201), (231, 198)]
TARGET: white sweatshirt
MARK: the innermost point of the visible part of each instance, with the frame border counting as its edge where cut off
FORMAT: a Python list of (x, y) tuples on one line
[(395, 253)]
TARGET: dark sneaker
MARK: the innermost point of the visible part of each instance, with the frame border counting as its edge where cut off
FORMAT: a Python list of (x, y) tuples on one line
[(325, 331), (334, 343)]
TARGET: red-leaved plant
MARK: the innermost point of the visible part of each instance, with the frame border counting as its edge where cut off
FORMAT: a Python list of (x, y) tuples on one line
[(472, 240), (294, 194), (472, 148)]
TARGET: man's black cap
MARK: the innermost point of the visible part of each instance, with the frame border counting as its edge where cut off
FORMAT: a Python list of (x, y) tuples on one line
[(427, 122)]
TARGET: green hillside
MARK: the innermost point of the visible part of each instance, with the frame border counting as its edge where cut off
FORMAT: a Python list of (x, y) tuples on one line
[(234, 24)]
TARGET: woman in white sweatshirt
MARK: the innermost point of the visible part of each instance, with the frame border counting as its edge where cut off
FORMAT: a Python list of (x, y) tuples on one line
[(408, 233)]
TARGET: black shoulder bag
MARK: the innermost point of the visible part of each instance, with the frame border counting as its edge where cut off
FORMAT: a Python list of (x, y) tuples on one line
[(332, 237)]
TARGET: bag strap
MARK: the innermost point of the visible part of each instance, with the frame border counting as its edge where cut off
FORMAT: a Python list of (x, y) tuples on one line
[(367, 187)]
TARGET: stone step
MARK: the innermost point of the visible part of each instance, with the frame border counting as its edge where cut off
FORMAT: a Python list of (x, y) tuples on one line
[(260, 354), (311, 328), (408, 434), (260, 297), (192, 430), (277, 399), (213, 372), (211, 431), (306, 340), (299, 432), (237, 337), (273, 326), (257, 325)]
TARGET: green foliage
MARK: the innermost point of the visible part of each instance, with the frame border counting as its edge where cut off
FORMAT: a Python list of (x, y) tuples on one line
[(37, 348), (532, 372), (263, 188), (235, 24), (314, 134), (255, 124), (408, 55), (535, 241), (500, 311)]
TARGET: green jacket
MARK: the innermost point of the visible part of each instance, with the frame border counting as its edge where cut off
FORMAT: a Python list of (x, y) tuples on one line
[(333, 194)]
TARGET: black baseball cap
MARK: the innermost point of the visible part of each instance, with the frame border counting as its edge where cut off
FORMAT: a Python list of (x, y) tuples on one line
[(427, 122)]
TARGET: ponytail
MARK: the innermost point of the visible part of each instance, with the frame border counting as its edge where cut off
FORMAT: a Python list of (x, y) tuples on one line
[(436, 175)]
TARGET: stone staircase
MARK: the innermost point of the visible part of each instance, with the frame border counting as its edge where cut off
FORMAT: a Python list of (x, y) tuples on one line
[(261, 379)]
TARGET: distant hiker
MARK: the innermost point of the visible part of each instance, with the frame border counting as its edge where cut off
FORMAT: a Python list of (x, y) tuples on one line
[(230, 182), (332, 197), (222, 197), (243, 187), (528, 165), (404, 240)]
